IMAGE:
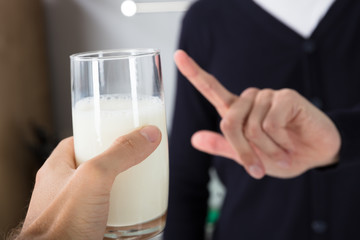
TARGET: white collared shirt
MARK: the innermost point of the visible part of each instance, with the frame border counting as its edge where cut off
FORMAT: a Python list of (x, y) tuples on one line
[(302, 16)]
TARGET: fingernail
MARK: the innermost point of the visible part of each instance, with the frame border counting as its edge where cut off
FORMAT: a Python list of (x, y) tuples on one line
[(256, 171), (151, 133)]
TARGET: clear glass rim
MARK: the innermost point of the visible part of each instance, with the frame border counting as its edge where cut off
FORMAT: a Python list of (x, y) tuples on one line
[(114, 54)]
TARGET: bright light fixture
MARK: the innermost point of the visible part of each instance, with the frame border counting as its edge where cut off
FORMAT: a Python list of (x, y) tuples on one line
[(130, 8)]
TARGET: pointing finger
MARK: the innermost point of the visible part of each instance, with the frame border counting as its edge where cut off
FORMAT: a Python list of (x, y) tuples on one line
[(204, 82)]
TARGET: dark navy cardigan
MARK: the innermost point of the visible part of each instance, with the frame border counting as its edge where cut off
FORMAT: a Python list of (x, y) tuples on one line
[(244, 46)]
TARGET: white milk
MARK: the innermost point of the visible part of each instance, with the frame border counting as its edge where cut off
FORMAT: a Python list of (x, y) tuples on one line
[(140, 193)]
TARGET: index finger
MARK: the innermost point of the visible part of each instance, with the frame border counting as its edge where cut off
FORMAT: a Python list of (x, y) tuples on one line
[(65, 151), (204, 82)]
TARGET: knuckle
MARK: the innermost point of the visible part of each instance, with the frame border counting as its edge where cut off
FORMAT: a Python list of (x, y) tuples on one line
[(132, 149), (253, 132), (126, 142), (264, 95), (229, 124), (287, 93), (64, 143), (92, 168), (248, 97), (249, 92), (266, 91), (40, 174), (270, 127)]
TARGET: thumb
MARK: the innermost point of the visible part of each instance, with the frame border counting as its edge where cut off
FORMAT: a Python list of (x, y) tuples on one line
[(215, 144), (127, 151)]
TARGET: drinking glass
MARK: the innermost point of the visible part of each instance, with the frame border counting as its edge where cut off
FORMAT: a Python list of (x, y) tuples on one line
[(114, 92)]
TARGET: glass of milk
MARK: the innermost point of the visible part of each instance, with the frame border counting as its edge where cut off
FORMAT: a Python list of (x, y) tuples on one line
[(114, 92)]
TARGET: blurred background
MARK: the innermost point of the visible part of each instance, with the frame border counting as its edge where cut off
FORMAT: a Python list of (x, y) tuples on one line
[(36, 39)]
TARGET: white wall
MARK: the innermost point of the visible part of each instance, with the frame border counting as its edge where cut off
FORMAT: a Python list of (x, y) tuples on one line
[(86, 25)]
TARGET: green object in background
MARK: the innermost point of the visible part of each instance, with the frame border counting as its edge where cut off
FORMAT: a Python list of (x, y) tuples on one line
[(217, 193), (212, 216), (211, 219)]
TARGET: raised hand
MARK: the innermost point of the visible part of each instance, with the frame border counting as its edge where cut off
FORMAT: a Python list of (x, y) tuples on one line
[(274, 132)]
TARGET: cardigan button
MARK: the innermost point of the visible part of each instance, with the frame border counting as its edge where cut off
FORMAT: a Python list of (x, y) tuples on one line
[(319, 226), (309, 46)]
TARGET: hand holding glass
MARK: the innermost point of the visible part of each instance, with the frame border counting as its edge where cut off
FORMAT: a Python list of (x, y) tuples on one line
[(114, 92)]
